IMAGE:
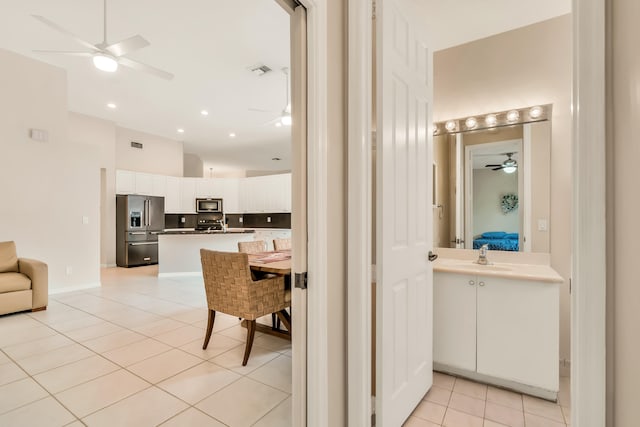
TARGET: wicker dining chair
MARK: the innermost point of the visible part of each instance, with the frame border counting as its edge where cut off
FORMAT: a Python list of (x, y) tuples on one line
[(231, 290), (282, 244), (252, 247)]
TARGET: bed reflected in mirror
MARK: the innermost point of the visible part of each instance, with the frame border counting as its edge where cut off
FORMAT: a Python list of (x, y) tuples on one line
[(492, 186)]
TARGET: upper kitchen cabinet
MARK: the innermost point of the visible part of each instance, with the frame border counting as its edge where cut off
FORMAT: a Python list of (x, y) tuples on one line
[(129, 182), (230, 194), (173, 195), (188, 195), (271, 193), (125, 182)]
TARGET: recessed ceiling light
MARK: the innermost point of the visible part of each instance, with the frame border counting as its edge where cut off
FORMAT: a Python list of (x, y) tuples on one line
[(232, 135), (278, 124), (180, 130), (111, 105), (204, 112)]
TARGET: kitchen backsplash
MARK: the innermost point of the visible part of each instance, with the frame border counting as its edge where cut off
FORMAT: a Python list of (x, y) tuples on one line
[(259, 220), (180, 220)]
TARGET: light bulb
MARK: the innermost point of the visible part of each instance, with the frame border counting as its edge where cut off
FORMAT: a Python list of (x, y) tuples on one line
[(509, 169), (278, 124), (286, 120), (232, 135), (105, 62), (180, 130), (204, 112), (491, 120), (450, 125), (535, 112), (471, 123), (513, 116)]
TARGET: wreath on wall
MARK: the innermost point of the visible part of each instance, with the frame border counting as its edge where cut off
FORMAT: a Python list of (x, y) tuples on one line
[(509, 203)]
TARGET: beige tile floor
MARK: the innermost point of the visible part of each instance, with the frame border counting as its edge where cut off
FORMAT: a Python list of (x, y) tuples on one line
[(130, 354), (456, 402)]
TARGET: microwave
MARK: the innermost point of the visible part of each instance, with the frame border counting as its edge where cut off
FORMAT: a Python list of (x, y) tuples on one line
[(209, 205)]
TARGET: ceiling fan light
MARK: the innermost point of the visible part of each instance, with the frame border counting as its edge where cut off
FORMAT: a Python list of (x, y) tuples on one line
[(509, 169), (286, 120), (105, 62)]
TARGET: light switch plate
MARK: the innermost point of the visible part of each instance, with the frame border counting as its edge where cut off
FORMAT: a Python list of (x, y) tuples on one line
[(542, 225), (85, 219)]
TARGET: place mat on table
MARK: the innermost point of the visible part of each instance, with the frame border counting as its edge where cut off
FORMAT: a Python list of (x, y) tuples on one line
[(272, 257)]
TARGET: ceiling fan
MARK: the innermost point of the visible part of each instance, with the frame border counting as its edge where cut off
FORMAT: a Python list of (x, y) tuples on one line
[(508, 166), (284, 119), (107, 57)]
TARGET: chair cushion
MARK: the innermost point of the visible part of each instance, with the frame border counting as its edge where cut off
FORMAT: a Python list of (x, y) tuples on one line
[(11, 282), (8, 257)]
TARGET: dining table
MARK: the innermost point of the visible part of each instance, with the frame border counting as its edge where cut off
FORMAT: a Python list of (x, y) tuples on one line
[(273, 262)]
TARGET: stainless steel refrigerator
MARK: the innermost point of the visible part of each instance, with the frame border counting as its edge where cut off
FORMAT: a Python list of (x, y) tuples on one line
[(138, 220)]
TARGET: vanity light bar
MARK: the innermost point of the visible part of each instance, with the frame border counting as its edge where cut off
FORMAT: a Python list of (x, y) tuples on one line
[(536, 113)]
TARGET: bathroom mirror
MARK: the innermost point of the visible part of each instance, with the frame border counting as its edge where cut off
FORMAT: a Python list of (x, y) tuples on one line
[(492, 186)]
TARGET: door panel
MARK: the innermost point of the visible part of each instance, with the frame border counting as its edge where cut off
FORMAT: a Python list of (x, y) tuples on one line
[(404, 312)]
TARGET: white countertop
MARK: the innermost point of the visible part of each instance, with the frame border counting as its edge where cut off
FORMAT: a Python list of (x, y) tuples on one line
[(527, 267)]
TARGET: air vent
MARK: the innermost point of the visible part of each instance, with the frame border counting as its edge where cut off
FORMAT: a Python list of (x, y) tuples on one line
[(259, 70), (136, 144)]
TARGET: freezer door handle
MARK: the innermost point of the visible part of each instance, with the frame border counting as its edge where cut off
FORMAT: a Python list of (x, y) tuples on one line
[(149, 211), (143, 243), (137, 233)]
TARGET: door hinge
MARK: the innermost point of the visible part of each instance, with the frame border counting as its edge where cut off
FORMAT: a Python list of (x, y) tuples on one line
[(301, 280), (373, 10), (373, 419)]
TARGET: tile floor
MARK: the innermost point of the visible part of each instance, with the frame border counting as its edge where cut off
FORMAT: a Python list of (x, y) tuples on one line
[(456, 402), (130, 354)]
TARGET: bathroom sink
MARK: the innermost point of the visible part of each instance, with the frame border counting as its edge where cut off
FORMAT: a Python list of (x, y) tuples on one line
[(479, 267)]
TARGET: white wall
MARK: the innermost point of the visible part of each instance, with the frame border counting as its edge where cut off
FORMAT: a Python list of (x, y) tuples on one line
[(158, 155), (193, 166), (528, 66), (101, 134), (48, 187), (624, 228), (488, 188)]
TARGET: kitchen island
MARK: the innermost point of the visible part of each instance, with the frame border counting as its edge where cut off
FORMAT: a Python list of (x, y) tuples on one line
[(179, 250)]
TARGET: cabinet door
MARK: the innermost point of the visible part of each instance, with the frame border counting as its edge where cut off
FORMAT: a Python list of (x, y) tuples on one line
[(188, 195), (205, 187), (144, 183), (518, 331), (231, 195), (159, 185), (125, 182), (454, 320), (173, 195)]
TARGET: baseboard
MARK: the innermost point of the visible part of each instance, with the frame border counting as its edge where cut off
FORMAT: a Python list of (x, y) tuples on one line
[(74, 288)]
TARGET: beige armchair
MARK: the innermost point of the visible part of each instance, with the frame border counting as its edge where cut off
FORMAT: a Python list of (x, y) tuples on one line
[(24, 283)]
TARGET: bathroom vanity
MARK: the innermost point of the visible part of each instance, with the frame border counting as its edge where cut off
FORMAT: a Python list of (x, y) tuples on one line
[(498, 323)]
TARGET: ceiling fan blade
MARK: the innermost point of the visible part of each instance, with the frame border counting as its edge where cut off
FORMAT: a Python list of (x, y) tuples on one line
[(62, 52), (497, 169), (65, 32), (128, 45), (491, 166), (139, 66)]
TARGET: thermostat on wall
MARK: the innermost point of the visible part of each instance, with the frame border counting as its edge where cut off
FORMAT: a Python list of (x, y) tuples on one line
[(40, 135)]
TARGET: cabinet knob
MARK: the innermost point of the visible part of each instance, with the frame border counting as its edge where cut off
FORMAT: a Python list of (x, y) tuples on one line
[(481, 283), (471, 282)]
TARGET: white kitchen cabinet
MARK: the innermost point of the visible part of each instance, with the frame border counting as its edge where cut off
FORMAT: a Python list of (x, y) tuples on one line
[(188, 195), (159, 185), (144, 183), (230, 194), (518, 331), (205, 187), (270, 193), (173, 195), (454, 320), (125, 182), (495, 328)]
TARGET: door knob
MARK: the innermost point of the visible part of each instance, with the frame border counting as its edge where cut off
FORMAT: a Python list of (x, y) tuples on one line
[(432, 257)]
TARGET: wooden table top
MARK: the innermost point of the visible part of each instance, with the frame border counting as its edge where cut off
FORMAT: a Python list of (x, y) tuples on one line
[(262, 262)]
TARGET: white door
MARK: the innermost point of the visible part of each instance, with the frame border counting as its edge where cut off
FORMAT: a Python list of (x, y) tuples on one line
[(404, 295)]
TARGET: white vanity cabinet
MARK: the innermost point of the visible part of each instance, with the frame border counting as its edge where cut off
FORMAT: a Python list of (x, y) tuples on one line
[(499, 330)]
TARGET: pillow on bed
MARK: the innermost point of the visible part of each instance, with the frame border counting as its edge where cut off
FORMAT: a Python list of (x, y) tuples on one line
[(494, 235), (513, 236)]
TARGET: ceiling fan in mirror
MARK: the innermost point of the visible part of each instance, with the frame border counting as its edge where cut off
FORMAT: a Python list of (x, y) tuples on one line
[(106, 57), (508, 166)]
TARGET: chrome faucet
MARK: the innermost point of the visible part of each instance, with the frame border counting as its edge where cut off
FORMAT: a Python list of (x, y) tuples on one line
[(482, 256)]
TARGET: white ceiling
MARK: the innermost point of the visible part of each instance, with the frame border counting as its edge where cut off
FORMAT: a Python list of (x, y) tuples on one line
[(208, 45)]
